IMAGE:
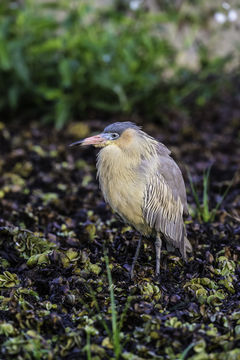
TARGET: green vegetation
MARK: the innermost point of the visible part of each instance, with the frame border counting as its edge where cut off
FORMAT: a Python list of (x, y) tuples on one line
[(114, 339), (60, 61), (203, 211), (115, 327), (59, 298)]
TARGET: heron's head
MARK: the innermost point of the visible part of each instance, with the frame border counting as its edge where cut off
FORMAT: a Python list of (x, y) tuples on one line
[(119, 133)]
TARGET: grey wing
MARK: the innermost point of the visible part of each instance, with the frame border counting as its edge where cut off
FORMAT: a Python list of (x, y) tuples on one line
[(163, 204), (173, 177)]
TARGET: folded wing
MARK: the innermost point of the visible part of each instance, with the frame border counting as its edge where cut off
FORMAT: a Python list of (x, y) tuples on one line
[(165, 202)]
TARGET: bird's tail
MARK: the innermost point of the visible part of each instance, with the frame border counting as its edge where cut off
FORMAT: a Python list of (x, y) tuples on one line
[(188, 245), (185, 245)]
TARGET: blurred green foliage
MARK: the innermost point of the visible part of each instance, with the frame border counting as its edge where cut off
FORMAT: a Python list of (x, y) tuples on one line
[(61, 59)]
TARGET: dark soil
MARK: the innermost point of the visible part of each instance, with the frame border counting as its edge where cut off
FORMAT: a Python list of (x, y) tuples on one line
[(55, 229)]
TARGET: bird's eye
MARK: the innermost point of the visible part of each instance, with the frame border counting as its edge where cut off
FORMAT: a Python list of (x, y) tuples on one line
[(115, 136)]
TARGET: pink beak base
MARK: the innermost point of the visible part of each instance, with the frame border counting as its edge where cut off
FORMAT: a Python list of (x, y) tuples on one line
[(92, 140)]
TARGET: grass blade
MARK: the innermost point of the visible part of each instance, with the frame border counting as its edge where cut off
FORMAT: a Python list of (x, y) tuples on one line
[(206, 213), (185, 352), (99, 316), (219, 203), (115, 328), (194, 192), (88, 347), (123, 315)]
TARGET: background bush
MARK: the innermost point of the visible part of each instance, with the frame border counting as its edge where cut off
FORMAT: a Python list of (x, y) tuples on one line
[(60, 60)]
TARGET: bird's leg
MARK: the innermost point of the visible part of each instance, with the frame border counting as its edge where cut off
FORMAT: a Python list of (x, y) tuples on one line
[(136, 255), (158, 246)]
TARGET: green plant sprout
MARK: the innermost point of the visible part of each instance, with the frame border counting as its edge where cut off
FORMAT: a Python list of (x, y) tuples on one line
[(115, 325), (117, 320), (88, 347), (203, 211), (186, 351)]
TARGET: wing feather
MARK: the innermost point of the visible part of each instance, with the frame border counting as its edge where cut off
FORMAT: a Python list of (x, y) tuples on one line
[(164, 203)]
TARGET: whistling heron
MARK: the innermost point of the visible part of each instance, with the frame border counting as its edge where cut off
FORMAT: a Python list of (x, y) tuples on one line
[(143, 184)]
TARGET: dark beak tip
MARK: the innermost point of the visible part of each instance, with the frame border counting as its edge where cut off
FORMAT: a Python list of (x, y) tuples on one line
[(93, 140), (77, 143)]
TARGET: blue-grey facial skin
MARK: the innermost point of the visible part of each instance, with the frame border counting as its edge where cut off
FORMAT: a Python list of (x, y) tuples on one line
[(110, 136)]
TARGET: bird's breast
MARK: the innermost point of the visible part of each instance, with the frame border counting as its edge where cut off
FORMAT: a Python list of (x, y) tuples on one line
[(123, 188)]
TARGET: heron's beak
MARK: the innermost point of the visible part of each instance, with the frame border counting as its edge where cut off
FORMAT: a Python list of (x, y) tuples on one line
[(93, 140)]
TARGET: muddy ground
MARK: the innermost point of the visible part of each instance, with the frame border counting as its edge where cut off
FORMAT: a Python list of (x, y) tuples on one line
[(55, 228)]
